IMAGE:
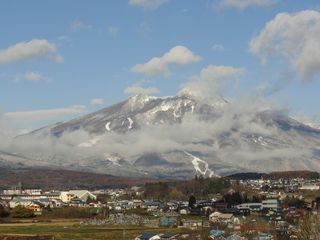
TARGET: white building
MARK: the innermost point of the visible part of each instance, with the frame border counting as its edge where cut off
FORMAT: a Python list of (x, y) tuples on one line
[(270, 204), (251, 206), (310, 187), (83, 195), (67, 196)]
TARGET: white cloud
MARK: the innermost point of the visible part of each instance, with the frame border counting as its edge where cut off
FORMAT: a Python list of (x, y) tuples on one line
[(35, 48), (137, 89), (178, 55), (97, 101), (209, 83), (33, 76), (243, 4), (147, 4), (44, 114), (294, 37), (78, 25)]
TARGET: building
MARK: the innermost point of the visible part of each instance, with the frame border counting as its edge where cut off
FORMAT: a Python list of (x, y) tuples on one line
[(310, 187), (83, 195), (251, 206), (148, 236), (218, 217), (65, 196), (270, 204)]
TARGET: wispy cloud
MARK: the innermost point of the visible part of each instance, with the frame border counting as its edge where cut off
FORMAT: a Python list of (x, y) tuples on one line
[(33, 76), (97, 101), (44, 114), (217, 47), (36, 48), (148, 4), (78, 25), (243, 4), (178, 55)]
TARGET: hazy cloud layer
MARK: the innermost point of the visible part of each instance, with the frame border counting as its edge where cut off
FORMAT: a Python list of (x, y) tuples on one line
[(36, 48), (294, 37), (178, 55), (243, 4), (147, 4)]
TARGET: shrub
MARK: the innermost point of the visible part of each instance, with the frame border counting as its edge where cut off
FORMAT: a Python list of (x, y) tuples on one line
[(70, 212), (21, 212)]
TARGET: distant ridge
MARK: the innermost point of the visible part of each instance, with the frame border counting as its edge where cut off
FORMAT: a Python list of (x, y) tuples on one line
[(274, 175), (294, 174), (247, 176), (49, 179)]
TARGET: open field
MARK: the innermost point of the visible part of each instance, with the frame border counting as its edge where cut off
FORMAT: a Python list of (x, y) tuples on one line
[(74, 231)]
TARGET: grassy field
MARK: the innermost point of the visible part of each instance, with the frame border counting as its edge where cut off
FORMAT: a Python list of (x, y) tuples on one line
[(74, 231)]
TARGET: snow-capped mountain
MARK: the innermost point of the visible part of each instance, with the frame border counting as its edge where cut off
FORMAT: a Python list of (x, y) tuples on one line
[(175, 137), (137, 111)]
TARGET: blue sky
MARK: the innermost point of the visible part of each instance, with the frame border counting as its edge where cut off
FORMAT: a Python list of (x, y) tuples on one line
[(60, 59)]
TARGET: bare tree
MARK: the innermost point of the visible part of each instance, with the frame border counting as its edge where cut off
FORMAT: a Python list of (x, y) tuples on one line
[(309, 228)]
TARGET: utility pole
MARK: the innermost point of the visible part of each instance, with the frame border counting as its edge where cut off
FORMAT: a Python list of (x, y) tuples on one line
[(20, 187)]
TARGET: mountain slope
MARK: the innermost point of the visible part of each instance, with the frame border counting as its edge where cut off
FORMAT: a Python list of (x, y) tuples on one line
[(175, 137)]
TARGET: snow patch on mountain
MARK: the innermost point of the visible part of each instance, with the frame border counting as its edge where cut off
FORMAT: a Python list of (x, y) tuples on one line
[(130, 123), (197, 162), (108, 126), (138, 101), (113, 158)]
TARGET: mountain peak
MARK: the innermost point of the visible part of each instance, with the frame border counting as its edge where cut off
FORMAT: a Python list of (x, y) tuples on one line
[(215, 101), (138, 101)]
